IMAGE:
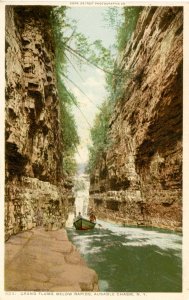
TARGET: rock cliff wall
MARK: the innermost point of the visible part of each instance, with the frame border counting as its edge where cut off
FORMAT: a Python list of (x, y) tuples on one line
[(36, 190), (139, 179)]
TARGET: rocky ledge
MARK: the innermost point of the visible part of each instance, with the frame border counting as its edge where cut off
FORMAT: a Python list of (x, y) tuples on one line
[(41, 260)]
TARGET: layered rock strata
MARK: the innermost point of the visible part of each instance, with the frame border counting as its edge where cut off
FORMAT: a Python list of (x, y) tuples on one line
[(138, 180), (36, 190)]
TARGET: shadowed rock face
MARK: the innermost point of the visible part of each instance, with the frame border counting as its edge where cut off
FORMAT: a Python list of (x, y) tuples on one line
[(139, 180), (34, 178)]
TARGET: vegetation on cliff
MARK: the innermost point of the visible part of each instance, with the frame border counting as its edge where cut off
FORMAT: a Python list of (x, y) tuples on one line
[(99, 134), (72, 47), (70, 136), (131, 15), (114, 82)]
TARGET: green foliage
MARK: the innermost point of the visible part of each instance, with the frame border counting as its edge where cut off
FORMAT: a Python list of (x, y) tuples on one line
[(68, 126), (71, 45), (69, 163), (77, 46), (74, 47), (69, 129), (115, 81), (99, 135), (125, 27), (70, 137), (131, 15), (124, 23), (101, 56), (112, 17)]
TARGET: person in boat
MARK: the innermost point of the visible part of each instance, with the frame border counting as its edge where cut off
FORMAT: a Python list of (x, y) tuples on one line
[(79, 216), (92, 218)]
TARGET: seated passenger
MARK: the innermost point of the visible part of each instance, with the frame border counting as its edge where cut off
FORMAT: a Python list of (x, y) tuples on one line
[(92, 218), (79, 216)]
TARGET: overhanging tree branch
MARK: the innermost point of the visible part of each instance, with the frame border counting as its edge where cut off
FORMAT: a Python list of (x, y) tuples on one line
[(73, 51)]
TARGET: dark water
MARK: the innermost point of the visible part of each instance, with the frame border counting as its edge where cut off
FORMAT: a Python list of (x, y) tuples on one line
[(132, 259)]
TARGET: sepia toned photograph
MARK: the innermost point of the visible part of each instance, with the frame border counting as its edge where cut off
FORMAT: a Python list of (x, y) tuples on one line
[(93, 148)]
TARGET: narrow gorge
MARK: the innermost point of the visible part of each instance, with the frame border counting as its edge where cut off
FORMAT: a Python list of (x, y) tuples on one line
[(138, 179), (93, 149)]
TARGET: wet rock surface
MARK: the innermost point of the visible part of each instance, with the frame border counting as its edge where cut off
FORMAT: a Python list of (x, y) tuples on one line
[(138, 180), (42, 260)]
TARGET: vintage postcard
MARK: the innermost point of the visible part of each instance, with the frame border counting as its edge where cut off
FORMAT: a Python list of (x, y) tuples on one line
[(95, 149)]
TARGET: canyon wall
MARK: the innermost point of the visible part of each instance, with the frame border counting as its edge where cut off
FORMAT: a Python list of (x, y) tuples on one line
[(37, 192), (138, 180)]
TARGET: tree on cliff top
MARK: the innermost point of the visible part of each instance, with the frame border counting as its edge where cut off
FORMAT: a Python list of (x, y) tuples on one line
[(124, 23)]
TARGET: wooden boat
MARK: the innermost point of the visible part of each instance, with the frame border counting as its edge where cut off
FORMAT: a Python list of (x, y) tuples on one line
[(84, 224)]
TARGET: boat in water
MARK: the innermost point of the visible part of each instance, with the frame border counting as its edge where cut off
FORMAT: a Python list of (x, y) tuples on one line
[(83, 224)]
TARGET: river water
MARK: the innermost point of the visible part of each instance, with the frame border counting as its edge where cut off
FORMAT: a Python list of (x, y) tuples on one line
[(127, 259), (132, 259)]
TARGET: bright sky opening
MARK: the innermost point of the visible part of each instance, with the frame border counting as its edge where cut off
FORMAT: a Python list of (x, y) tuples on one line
[(91, 23)]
